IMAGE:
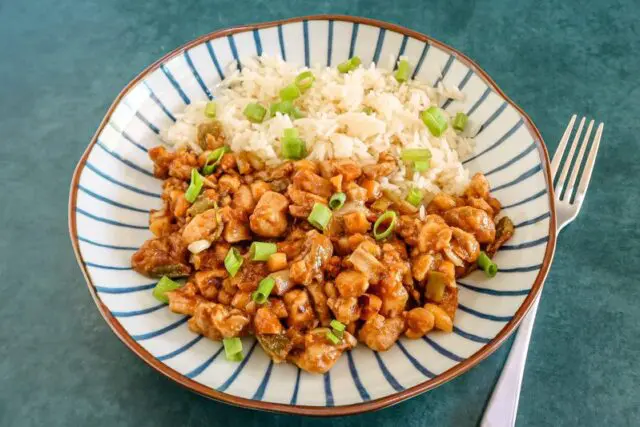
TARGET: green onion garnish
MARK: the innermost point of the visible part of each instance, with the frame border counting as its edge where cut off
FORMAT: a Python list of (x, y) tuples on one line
[(162, 287), (305, 80), (215, 156), (368, 110), (320, 216), (286, 107), (233, 349), (435, 120), (387, 216), (194, 187), (255, 113), (210, 110), (349, 65), (233, 261), (421, 166), (414, 197), (264, 290), (337, 328), (260, 251), (289, 93), (337, 201), (460, 121), (484, 262), (403, 71), (292, 146), (415, 154), (332, 337)]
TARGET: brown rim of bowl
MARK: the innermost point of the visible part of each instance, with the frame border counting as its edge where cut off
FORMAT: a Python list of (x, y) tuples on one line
[(355, 408)]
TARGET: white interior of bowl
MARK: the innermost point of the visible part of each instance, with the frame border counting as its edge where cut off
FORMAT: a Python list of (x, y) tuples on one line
[(116, 190)]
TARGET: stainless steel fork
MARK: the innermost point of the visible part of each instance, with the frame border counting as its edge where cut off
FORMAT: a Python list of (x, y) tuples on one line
[(503, 406)]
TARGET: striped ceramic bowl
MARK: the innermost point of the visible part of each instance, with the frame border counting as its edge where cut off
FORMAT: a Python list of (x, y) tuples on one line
[(113, 189)]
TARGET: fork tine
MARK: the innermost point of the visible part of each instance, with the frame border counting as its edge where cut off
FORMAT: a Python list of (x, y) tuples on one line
[(567, 164), (578, 162), (557, 157), (588, 167)]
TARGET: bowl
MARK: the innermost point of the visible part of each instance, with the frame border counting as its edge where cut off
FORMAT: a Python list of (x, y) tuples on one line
[(113, 189)]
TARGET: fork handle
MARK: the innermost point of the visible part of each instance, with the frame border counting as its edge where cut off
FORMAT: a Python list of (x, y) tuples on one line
[(503, 405)]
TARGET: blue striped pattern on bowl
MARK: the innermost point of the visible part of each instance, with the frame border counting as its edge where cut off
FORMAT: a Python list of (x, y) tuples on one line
[(114, 189)]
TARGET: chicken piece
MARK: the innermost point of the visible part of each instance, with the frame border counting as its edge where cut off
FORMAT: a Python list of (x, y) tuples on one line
[(182, 165), (386, 166), (421, 265), (269, 219), (474, 221), (365, 262), (243, 199), (320, 354), (478, 187), (266, 322), (229, 184), (302, 202), (293, 244), (316, 251), (301, 313), (308, 181), (163, 256), (380, 333), (184, 300), (236, 225), (356, 222), (449, 302), (408, 227), (319, 299), (464, 245), (434, 235), (240, 300), (349, 170), (441, 318), (441, 203), (280, 172), (210, 135), (276, 305), (160, 222), (161, 159), (216, 321), (373, 188), (419, 322), (204, 226), (448, 269), (355, 193), (393, 294), (228, 162), (205, 201), (249, 275), (276, 346), (208, 282), (309, 165), (352, 283), (478, 203), (369, 306), (345, 309)]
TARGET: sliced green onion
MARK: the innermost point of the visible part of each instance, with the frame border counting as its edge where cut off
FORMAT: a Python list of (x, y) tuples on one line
[(435, 120), (484, 262), (421, 166), (162, 287), (414, 197), (291, 133), (293, 147), (337, 326), (337, 201), (215, 156), (435, 286), (260, 251), (349, 65), (286, 107), (264, 290), (415, 154), (305, 80), (332, 337), (460, 121), (233, 349), (320, 216), (387, 216), (368, 110), (194, 187), (403, 71), (210, 110), (289, 93), (233, 261), (255, 113)]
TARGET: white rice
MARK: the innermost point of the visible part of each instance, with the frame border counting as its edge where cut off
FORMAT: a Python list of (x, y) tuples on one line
[(334, 125)]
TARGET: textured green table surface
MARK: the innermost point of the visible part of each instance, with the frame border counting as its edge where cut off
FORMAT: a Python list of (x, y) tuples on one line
[(61, 64)]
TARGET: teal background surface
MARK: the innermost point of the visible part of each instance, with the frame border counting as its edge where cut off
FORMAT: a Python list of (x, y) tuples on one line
[(63, 62)]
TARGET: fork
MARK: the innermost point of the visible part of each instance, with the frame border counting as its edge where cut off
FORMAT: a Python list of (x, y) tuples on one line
[(503, 405)]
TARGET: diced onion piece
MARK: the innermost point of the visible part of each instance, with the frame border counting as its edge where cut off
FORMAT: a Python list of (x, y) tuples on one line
[(194, 187), (435, 286), (320, 216), (198, 246), (264, 290), (233, 349), (261, 251), (233, 261), (455, 259), (162, 287), (435, 120), (389, 216)]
